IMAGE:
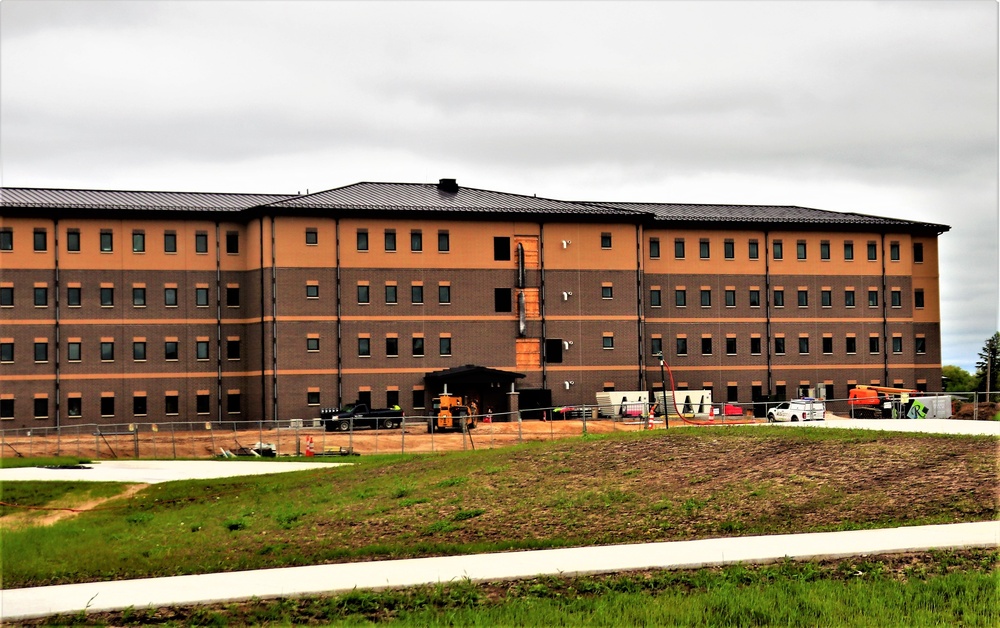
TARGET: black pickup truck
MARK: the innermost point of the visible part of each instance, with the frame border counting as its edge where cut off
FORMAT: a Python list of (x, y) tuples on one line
[(359, 415)]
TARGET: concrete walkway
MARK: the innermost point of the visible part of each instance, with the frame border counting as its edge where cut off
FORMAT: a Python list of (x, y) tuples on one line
[(325, 579)]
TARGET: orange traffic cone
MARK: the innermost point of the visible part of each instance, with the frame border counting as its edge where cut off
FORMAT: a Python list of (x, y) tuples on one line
[(309, 446), (711, 412)]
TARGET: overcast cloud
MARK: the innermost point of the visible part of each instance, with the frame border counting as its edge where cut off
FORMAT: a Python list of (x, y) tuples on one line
[(886, 108)]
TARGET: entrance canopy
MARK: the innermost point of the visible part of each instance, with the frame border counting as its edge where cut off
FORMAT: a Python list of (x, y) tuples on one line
[(471, 375)]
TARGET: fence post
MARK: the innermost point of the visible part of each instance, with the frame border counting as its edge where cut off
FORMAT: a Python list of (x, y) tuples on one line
[(520, 434)]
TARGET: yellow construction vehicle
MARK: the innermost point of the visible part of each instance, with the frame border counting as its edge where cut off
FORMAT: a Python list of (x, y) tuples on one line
[(452, 413), (873, 402)]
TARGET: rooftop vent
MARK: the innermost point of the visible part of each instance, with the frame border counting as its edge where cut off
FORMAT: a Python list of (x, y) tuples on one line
[(448, 185)]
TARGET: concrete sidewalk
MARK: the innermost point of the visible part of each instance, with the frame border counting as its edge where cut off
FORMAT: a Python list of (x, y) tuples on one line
[(325, 579)]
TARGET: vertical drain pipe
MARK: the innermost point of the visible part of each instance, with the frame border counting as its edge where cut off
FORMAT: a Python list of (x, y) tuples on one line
[(640, 311), (541, 297), (218, 325), (58, 332), (263, 326), (340, 339), (274, 328), (885, 321), (767, 309)]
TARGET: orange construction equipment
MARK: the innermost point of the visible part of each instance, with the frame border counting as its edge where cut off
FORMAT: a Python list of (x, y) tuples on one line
[(867, 401)]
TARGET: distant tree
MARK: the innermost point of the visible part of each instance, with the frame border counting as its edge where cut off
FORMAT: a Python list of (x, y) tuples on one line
[(957, 379), (989, 365)]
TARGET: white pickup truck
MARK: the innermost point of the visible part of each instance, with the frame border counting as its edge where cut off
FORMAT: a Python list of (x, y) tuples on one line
[(806, 409)]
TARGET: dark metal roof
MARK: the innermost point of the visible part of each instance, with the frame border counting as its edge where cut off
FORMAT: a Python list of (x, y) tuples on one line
[(120, 199), (690, 212), (428, 197), (472, 374)]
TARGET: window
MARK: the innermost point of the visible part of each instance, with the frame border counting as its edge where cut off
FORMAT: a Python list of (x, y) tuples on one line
[(851, 345), (827, 344), (607, 292), (233, 403), (232, 242), (826, 298), (6, 239), (706, 298), (920, 344), (312, 236), (201, 242), (139, 351), (73, 351), (654, 298), (6, 408), (553, 351), (656, 348), (704, 249), (779, 298), (779, 249), (138, 242), (170, 297), (170, 350), (873, 298), (872, 251), (107, 351), (364, 347), (41, 407), (203, 403), (6, 351), (418, 346), (848, 298), (754, 298), (73, 240), (418, 397), (730, 298), (918, 252), (107, 297), (897, 344), (392, 398), (41, 352), (873, 344), (390, 240), (7, 297), (107, 406), (706, 345), (824, 249), (41, 297), (608, 342), (232, 296), (679, 248), (503, 300), (803, 298), (444, 294), (391, 294), (312, 398), (654, 248), (312, 344), (169, 246), (416, 294), (894, 251), (444, 345), (918, 298), (848, 250), (730, 346), (107, 241), (74, 407), (312, 291), (804, 345), (897, 298), (755, 345), (232, 349), (682, 345), (754, 249), (171, 404), (729, 249), (73, 297), (800, 249), (680, 298), (501, 249), (416, 240), (444, 242), (605, 240), (362, 239), (41, 240), (201, 350), (779, 346)]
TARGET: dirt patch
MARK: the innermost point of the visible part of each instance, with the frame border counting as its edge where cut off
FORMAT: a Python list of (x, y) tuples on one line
[(984, 411), (52, 514)]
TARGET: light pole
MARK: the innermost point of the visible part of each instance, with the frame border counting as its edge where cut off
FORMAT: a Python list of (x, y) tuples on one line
[(663, 388)]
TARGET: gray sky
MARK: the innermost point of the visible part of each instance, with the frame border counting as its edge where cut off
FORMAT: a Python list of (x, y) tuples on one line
[(886, 108)]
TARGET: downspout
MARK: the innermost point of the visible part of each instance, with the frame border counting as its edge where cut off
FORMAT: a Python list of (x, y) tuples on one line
[(541, 297), (885, 321), (58, 329), (274, 328), (639, 310), (767, 309), (263, 326), (218, 325), (340, 339)]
